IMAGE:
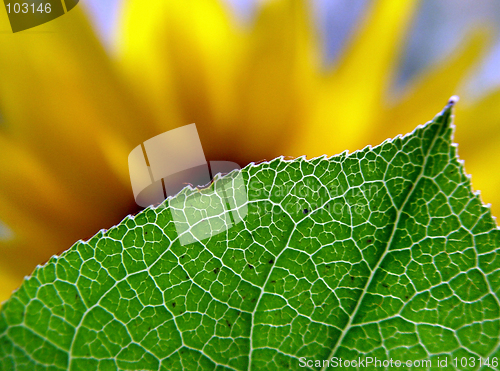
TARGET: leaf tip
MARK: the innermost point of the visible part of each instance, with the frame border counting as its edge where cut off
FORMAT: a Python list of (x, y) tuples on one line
[(445, 118), (448, 109), (453, 100)]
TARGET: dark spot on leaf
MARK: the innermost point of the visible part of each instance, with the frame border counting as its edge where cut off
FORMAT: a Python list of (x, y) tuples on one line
[(216, 270), (327, 267), (183, 256), (173, 305), (187, 277), (271, 261), (250, 266), (273, 281), (406, 296), (306, 211), (228, 323), (253, 300), (368, 241), (352, 278), (385, 285)]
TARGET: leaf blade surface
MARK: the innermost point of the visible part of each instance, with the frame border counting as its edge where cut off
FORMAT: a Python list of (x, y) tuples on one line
[(385, 252)]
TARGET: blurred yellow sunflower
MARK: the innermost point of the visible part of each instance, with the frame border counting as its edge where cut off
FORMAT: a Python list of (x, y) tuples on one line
[(70, 113)]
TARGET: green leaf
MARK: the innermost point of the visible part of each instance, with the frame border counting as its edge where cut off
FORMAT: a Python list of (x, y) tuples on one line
[(382, 253)]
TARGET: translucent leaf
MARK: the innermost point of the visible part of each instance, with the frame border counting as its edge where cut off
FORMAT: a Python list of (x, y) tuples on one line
[(385, 253)]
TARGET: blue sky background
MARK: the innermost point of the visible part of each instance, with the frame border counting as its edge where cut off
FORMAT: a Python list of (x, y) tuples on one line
[(438, 29)]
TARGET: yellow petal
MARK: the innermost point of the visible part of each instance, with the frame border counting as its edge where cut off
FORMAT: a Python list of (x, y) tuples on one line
[(429, 91), (352, 96), (478, 135), (279, 79), (32, 185), (62, 103), (8, 285), (44, 216), (233, 83), (34, 240), (181, 58), (58, 90)]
